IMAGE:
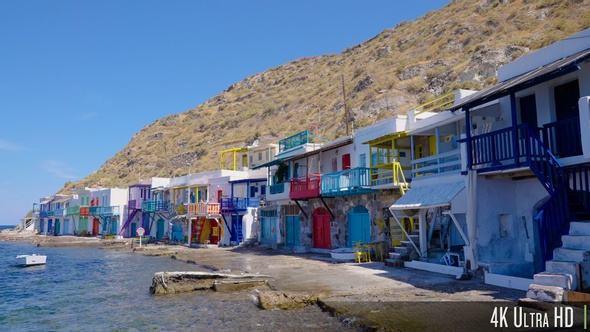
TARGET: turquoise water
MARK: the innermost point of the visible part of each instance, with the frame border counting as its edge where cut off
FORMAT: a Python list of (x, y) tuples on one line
[(92, 289)]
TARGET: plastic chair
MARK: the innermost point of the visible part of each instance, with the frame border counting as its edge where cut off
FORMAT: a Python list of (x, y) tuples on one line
[(361, 253)]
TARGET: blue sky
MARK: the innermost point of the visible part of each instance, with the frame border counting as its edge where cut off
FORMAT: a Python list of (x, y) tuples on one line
[(79, 78)]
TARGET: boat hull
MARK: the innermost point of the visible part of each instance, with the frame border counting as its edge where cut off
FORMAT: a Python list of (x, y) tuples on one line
[(28, 260)]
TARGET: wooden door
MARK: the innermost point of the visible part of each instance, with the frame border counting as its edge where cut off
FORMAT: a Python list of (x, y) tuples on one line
[(359, 226), (292, 231), (95, 226), (321, 228), (345, 161)]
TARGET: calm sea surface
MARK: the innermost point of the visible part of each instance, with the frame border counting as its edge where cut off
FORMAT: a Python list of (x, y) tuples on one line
[(90, 289)]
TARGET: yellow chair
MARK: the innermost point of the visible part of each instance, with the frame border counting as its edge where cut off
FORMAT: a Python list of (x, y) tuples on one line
[(378, 248), (361, 253)]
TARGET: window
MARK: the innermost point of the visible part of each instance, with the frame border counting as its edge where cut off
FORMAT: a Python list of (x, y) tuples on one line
[(259, 156), (363, 160)]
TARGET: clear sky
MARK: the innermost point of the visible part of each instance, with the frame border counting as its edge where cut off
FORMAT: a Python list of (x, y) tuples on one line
[(79, 78)]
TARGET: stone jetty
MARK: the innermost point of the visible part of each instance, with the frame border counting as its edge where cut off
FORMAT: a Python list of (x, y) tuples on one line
[(179, 282)]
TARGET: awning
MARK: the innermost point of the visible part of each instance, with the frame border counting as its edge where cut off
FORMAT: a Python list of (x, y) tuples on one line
[(268, 164), (429, 196)]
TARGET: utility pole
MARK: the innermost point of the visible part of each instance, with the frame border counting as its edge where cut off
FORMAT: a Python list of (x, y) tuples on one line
[(345, 108)]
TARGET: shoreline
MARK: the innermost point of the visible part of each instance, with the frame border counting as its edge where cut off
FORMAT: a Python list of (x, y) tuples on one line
[(371, 295)]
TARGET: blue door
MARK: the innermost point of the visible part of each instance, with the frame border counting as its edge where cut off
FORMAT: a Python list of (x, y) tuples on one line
[(133, 230), (266, 227), (114, 226), (160, 229), (292, 231), (359, 225), (50, 226)]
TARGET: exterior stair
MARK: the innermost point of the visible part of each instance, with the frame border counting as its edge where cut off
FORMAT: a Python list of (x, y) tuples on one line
[(568, 270), (405, 252)]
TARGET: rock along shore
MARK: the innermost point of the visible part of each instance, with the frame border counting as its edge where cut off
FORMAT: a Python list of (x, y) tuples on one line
[(370, 296)]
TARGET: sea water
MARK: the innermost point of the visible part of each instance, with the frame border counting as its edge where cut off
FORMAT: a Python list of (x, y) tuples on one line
[(92, 289)]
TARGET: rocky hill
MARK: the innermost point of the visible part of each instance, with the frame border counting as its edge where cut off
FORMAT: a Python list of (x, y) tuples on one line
[(459, 46)]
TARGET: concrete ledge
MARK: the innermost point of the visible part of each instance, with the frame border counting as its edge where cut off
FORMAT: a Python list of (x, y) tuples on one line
[(550, 294), (562, 280), (507, 281), (438, 268)]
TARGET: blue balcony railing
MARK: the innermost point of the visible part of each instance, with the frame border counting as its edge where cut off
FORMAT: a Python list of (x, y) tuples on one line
[(441, 163), (238, 203), (278, 188), (346, 182), (563, 138), (154, 206)]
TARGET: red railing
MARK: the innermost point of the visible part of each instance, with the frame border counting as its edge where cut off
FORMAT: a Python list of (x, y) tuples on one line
[(305, 187)]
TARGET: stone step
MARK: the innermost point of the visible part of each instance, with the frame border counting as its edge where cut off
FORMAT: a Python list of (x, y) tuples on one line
[(394, 263), (409, 244), (544, 293), (403, 250), (554, 279), (576, 241), (579, 228), (569, 254), (563, 267), (397, 256)]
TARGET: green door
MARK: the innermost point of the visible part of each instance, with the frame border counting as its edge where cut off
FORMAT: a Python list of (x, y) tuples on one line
[(83, 226), (292, 231), (160, 229), (57, 228)]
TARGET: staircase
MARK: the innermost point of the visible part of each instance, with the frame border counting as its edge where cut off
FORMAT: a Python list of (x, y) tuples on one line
[(237, 227), (128, 221), (198, 227), (405, 251), (569, 268)]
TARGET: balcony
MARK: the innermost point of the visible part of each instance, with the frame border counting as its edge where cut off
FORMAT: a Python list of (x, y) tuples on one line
[(278, 191), (178, 208), (563, 138), (447, 163), (154, 206), (134, 204), (354, 181), (305, 187), (109, 211), (57, 213), (43, 214), (293, 141), (238, 204), (73, 210), (104, 211), (84, 211), (204, 209)]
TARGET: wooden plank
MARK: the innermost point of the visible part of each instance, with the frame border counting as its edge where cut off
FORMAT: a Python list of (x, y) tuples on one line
[(573, 297)]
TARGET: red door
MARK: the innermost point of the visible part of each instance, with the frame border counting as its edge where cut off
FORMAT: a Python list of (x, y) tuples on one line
[(219, 194), (321, 228), (95, 226), (346, 161)]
